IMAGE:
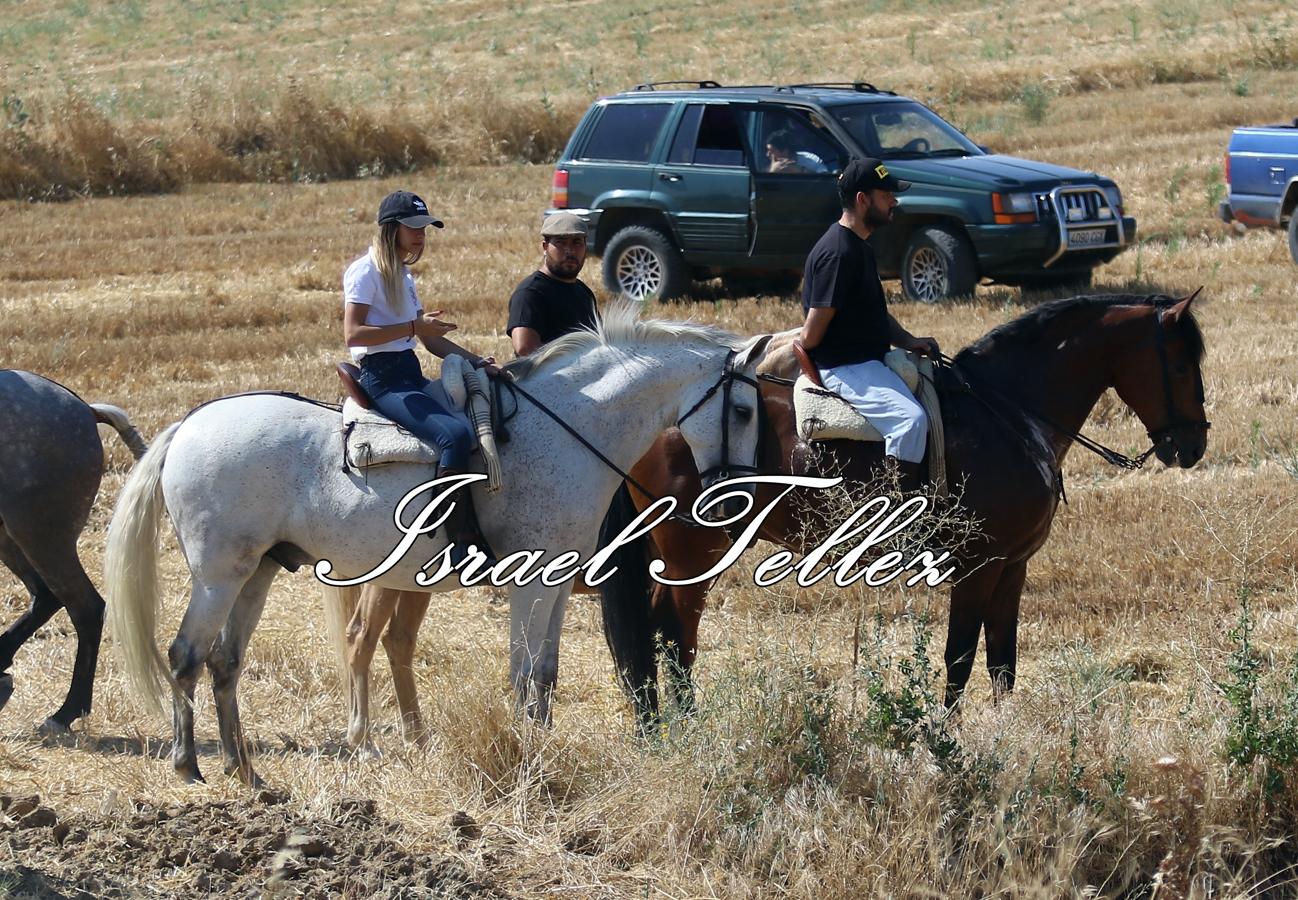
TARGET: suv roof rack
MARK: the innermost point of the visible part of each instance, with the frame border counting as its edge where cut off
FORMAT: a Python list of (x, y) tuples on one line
[(654, 85), (861, 87)]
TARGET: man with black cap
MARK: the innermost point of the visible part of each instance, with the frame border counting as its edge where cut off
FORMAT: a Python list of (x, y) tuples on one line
[(848, 328), (552, 301)]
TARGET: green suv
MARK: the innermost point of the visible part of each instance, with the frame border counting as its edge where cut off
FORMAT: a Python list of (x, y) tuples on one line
[(678, 181)]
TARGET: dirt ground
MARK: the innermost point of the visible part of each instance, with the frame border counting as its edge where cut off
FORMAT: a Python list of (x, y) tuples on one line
[(233, 848)]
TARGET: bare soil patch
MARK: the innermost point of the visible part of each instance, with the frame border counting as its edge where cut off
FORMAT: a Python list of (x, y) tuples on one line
[(229, 848)]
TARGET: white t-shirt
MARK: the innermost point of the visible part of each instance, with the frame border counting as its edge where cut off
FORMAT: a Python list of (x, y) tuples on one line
[(363, 284)]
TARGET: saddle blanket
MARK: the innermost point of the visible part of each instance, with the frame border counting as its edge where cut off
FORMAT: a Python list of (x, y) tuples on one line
[(823, 415), (371, 439)]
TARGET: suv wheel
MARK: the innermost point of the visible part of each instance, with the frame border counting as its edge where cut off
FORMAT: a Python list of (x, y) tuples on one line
[(938, 264), (1293, 235), (642, 262)]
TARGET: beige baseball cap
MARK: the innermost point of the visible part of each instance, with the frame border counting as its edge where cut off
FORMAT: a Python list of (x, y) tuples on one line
[(562, 224)]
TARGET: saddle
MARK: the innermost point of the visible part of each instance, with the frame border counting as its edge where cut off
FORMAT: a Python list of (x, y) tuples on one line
[(370, 439), (822, 415)]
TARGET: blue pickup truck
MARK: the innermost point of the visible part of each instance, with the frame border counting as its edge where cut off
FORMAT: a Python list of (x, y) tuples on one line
[(1262, 179)]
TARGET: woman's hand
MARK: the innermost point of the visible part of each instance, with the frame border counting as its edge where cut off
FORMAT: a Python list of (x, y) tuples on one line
[(429, 326)]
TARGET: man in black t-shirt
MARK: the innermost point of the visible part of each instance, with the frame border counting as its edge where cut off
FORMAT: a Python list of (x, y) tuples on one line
[(552, 301), (848, 329)]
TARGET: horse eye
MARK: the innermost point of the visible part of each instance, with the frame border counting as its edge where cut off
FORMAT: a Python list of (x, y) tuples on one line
[(743, 413)]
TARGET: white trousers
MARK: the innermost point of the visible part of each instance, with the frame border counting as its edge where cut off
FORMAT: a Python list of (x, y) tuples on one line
[(880, 395)]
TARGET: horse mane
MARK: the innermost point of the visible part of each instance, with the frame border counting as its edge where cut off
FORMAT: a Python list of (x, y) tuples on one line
[(1035, 324), (620, 325)]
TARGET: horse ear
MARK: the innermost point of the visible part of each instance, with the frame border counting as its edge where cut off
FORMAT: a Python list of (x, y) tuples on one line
[(1172, 315), (752, 352)]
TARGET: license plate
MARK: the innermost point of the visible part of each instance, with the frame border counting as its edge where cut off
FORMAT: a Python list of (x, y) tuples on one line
[(1087, 237)]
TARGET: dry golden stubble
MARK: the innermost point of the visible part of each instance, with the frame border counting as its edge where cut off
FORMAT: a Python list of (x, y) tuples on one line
[(159, 303)]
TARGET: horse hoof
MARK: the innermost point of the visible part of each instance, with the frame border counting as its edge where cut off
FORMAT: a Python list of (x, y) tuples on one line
[(53, 730), (417, 736), (190, 775), (369, 752), (6, 688)]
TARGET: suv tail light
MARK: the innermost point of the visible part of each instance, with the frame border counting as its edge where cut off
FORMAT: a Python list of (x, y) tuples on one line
[(1014, 209), (560, 192)]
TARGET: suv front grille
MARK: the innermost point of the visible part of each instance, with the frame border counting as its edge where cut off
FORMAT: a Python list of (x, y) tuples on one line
[(1085, 218), (1084, 206)]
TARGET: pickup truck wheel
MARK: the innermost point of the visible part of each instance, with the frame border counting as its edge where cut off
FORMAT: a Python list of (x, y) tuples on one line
[(642, 262), (1293, 236), (938, 264)]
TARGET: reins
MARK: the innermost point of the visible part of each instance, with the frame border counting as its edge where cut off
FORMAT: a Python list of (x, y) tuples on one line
[(724, 383), (1157, 437), (1108, 454), (287, 395)]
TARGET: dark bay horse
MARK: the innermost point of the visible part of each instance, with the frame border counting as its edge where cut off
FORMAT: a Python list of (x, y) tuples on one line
[(1031, 385), (54, 461)]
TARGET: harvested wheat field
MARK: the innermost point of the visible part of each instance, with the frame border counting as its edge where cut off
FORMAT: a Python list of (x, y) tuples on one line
[(184, 184)]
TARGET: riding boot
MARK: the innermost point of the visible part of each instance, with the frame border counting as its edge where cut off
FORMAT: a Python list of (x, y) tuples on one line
[(462, 527), (907, 476), (910, 477)]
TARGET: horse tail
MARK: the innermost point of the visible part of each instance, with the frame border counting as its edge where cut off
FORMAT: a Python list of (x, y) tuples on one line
[(339, 606), (625, 604), (121, 423), (131, 574)]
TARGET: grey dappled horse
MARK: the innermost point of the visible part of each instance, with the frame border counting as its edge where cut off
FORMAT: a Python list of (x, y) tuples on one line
[(52, 462), (254, 484)]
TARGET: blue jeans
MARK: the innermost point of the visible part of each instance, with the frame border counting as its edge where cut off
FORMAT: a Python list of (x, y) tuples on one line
[(396, 383)]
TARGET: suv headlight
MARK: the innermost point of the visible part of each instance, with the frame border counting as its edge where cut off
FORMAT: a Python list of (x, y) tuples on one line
[(1114, 197), (1019, 203), (1012, 209)]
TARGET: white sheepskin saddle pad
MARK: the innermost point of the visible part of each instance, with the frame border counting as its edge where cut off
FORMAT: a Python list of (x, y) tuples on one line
[(823, 415), (371, 439)]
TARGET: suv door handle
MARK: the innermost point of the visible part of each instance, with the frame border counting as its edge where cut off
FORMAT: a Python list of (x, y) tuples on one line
[(671, 176)]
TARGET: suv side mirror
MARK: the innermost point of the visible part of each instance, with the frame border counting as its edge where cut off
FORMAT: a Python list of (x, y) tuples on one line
[(984, 148)]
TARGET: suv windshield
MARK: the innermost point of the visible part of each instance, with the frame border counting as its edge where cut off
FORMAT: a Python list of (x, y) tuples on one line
[(902, 131)]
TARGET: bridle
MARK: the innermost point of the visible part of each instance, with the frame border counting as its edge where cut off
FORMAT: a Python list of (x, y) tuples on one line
[(1162, 435), (1157, 436), (725, 384)]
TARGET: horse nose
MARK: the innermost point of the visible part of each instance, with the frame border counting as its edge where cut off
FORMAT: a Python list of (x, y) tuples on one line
[(1191, 451), (724, 509), (1183, 449), (733, 501)]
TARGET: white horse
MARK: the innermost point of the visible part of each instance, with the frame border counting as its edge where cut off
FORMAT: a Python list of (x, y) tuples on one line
[(256, 482)]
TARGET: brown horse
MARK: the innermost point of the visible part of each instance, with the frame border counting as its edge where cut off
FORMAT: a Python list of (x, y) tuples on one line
[(1031, 384), (1025, 390)]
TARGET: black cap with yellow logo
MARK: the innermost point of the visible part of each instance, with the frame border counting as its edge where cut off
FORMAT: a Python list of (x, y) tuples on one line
[(868, 175)]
